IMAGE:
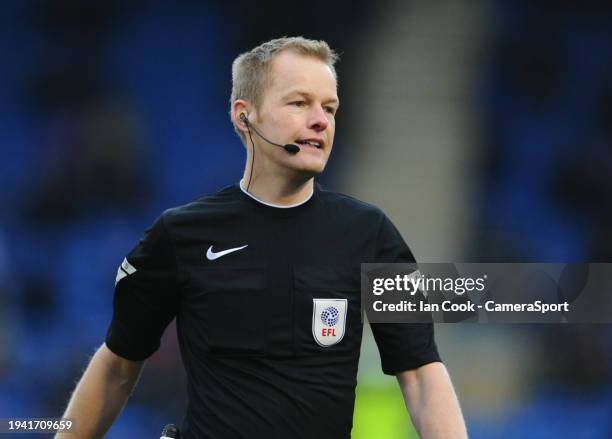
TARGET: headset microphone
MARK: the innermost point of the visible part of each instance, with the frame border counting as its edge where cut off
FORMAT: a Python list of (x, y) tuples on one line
[(289, 147)]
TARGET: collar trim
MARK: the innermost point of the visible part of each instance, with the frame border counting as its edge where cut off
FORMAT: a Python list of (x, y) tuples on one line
[(278, 206)]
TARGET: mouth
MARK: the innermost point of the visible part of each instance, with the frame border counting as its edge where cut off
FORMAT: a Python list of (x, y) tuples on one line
[(310, 142)]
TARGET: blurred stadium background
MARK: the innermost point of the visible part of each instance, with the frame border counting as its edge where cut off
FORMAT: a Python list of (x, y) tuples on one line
[(483, 128)]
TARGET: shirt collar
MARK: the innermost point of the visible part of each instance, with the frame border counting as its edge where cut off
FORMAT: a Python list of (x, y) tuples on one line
[(278, 206)]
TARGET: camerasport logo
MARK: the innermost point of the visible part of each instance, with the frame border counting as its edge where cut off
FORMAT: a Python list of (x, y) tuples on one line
[(328, 320)]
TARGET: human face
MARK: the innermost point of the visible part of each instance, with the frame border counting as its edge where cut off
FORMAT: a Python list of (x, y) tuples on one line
[(298, 106)]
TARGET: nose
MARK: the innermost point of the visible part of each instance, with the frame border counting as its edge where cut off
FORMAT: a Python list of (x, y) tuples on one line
[(318, 119)]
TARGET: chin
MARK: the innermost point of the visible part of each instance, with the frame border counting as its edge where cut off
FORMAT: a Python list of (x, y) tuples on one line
[(311, 168)]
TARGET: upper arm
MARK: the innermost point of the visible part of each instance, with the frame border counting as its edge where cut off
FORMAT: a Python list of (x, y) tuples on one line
[(402, 346), (146, 295), (405, 346)]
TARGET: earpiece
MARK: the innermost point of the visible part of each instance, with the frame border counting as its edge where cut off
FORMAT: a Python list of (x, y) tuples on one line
[(244, 119)]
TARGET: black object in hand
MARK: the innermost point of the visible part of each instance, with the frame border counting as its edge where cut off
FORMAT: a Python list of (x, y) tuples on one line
[(170, 431)]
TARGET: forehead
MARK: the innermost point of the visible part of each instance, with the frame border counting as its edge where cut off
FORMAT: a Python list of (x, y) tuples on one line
[(292, 71)]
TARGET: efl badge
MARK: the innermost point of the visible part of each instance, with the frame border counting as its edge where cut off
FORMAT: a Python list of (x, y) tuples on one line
[(328, 320)]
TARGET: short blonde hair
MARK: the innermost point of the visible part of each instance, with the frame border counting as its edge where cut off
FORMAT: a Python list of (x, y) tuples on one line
[(251, 70)]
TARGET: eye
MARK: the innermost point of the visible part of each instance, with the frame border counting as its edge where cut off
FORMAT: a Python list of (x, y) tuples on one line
[(298, 104), (331, 110)]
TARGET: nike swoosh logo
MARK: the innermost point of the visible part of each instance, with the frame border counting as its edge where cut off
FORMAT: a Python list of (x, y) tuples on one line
[(211, 255)]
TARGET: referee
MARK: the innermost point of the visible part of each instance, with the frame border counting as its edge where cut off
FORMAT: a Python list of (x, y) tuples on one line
[(263, 279)]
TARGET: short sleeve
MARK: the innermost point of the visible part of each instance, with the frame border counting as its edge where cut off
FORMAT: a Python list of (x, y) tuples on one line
[(145, 299), (402, 346)]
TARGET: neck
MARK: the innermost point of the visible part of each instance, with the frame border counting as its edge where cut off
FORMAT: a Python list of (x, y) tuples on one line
[(279, 189)]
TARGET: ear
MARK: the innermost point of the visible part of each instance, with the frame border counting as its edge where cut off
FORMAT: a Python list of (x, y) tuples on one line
[(240, 107)]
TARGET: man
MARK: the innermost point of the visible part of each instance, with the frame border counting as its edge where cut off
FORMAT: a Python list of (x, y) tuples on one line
[(263, 278)]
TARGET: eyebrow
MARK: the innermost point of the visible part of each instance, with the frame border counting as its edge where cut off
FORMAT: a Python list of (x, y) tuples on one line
[(308, 95)]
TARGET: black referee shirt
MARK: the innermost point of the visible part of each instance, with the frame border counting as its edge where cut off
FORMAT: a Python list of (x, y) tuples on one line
[(267, 302)]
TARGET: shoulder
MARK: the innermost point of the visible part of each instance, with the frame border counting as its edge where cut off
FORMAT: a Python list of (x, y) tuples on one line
[(364, 217), (369, 220), (350, 205), (209, 206)]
